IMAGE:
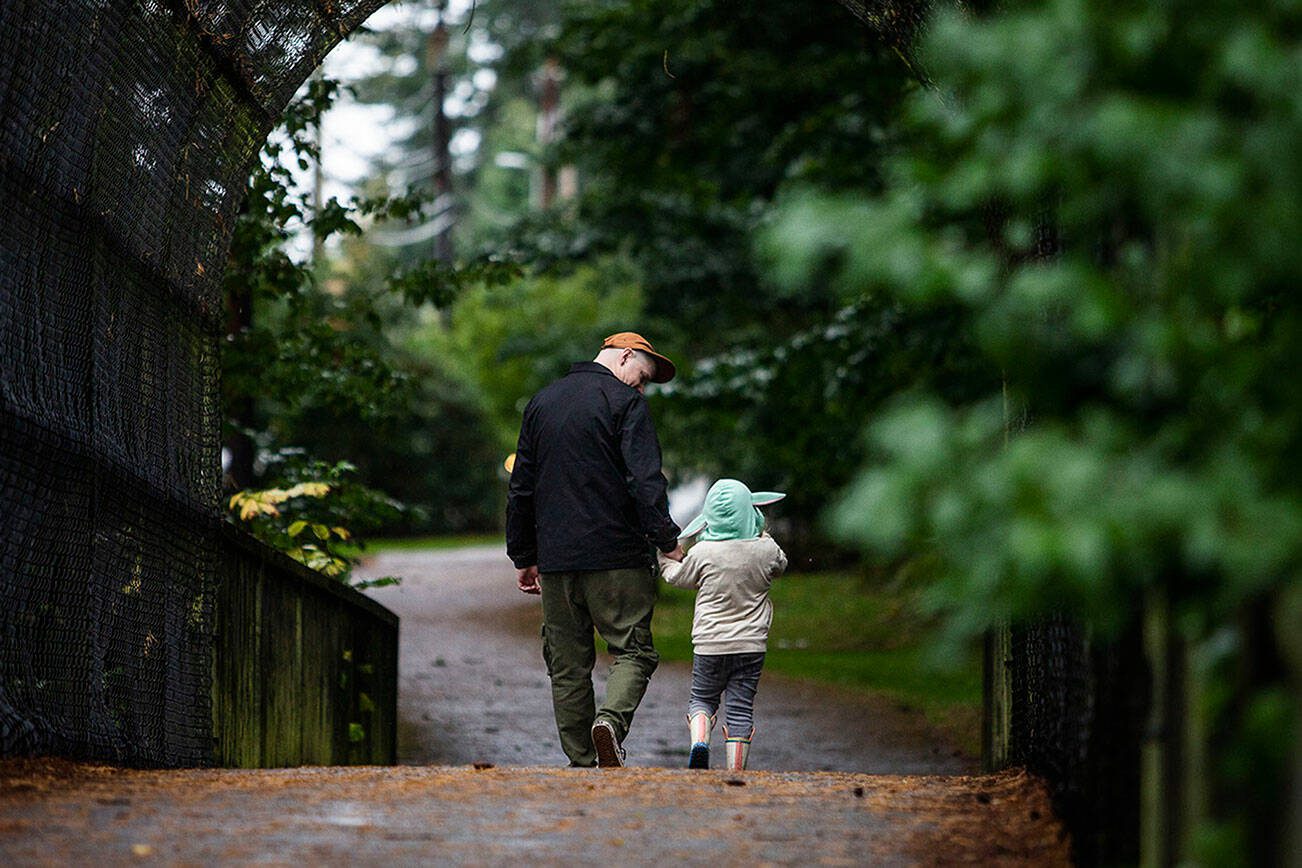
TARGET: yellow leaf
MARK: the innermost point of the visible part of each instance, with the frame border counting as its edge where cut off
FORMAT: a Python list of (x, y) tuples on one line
[(276, 495), (342, 532)]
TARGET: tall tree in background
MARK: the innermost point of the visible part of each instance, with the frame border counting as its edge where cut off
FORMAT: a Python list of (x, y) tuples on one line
[(489, 108)]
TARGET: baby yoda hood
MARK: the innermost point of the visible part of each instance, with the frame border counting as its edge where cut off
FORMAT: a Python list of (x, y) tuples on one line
[(730, 512)]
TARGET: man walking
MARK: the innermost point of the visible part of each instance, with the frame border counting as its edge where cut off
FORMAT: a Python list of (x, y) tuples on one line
[(587, 501)]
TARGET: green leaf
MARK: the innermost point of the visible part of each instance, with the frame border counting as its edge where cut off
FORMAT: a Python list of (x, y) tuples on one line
[(363, 584)]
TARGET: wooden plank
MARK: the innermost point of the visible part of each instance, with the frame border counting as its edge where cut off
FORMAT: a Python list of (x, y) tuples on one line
[(387, 700), (1154, 814), (319, 673), (281, 675), (369, 653), (997, 699), (236, 693), (348, 751)]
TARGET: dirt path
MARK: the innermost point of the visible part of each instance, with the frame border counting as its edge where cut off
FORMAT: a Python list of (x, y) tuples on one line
[(472, 688), (474, 693), (58, 813)]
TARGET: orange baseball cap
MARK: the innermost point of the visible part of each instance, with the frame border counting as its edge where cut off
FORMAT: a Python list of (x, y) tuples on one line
[(665, 369)]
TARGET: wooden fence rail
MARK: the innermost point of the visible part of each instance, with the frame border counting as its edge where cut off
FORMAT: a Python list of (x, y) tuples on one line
[(305, 670)]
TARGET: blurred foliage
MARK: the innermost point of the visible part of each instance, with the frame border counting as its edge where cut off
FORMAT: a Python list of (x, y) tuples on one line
[(683, 122), (683, 119), (438, 453), (1148, 346), (791, 413), (1109, 194), (311, 362), (508, 341), (489, 109), (290, 344)]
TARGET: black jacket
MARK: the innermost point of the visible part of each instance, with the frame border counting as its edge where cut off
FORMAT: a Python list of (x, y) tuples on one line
[(587, 492)]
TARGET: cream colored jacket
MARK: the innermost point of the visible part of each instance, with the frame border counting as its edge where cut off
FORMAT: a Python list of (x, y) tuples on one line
[(732, 579)]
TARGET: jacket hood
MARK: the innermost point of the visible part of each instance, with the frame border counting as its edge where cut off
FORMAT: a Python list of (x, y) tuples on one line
[(731, 512)]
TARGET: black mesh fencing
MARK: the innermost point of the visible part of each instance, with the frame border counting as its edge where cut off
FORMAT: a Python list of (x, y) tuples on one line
[(127, 131), (1077, 710)]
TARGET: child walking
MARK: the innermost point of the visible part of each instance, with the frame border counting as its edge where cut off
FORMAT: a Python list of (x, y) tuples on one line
[(731, 567)]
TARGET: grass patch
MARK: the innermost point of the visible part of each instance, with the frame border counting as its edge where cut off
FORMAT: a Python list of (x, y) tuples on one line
[(835, 629), (431, 543)]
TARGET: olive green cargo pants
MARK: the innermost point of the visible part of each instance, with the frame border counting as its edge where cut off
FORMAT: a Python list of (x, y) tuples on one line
[(618, 603)]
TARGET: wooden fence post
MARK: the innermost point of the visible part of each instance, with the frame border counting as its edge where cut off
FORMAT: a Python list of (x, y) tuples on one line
[(1155, 829), (1174, 794), (1288, 632), (997, 699)]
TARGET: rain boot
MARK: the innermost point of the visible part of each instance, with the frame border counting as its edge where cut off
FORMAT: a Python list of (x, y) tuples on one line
[(701, 725), (737, 749)]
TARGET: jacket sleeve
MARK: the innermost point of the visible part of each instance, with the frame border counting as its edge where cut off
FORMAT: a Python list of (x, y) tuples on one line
[(684, 574), (779, 563), (641, 450), (521, 528)]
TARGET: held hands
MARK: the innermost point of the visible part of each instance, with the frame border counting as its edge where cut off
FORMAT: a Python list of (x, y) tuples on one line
[(527, 580)]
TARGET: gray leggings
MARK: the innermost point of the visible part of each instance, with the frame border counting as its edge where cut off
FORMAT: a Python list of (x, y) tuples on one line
[(735, 677)]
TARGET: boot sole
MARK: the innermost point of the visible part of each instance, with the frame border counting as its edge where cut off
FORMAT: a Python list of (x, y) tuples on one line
[(699, 758), (603, 741)]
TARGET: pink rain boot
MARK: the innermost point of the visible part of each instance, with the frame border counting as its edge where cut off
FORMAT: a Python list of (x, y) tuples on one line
[(701, 725), (737, 749)]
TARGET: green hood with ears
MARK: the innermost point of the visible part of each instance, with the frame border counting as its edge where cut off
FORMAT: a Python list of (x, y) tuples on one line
[(730, 512)]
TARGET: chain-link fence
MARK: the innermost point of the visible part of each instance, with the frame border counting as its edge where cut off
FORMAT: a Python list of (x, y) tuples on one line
[(127, 130)]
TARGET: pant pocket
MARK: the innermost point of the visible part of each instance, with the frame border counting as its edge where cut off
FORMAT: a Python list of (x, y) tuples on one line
[(546, 650), (645, 646)]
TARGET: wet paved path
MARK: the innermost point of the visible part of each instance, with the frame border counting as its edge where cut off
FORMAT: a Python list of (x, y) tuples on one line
[(62, 814), (827, 783), (472, 688)]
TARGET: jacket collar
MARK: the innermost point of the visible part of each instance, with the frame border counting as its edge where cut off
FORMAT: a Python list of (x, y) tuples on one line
[(590, 368)]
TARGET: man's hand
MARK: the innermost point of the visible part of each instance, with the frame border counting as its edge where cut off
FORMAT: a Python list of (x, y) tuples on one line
[(527, 579), (676, 554)]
